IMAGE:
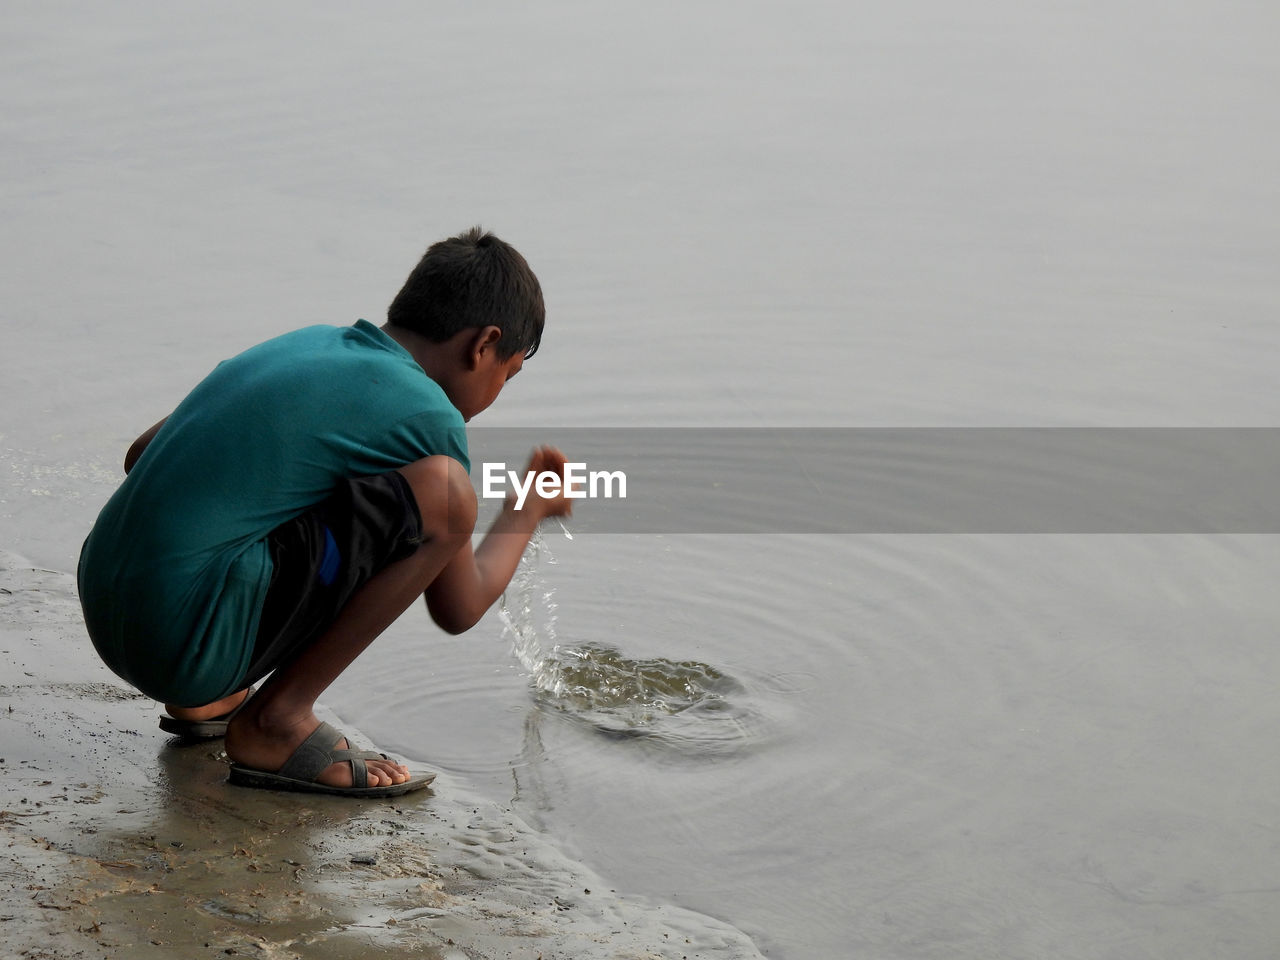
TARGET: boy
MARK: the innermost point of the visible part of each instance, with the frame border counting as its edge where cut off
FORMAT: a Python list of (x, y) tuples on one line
[(298, 501)]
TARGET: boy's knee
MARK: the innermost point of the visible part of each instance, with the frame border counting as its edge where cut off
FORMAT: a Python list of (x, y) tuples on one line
[(446, 501)]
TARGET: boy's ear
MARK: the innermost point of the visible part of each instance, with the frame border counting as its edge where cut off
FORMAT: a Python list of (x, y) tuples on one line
[(484, 339)]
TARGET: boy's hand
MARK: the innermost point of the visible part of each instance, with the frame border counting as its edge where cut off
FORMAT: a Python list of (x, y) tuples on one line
[(555, 504)]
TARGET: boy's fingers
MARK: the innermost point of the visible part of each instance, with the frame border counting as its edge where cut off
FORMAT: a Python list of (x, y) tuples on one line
[(546, 458), (554, 460)]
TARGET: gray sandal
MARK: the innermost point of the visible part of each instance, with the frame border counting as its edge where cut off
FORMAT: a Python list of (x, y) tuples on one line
[(316, 753), (201, 729)]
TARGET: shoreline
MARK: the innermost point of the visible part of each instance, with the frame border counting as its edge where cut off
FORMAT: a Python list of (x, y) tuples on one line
[(115, 838)]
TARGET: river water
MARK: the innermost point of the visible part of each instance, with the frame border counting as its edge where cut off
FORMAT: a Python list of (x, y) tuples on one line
[(927, 743)]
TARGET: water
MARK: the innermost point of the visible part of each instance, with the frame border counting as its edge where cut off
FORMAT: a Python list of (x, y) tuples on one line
[(884, 215), (685, 705)]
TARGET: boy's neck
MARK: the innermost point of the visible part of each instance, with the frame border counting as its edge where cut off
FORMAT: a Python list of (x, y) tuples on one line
[(467, 366), (432, 357)]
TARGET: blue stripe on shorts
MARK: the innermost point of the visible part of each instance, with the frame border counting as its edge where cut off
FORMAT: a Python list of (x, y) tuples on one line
[(331, 561)]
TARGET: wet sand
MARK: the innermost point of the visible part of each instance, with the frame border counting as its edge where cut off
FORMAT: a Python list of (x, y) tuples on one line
[(117, 838)]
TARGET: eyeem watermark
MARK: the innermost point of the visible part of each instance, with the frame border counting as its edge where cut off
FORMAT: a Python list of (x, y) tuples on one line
[(578, 483), (909, 480)]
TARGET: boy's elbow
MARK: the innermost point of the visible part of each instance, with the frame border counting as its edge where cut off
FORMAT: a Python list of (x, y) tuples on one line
[(453, 622), (136, 448), (453, 627), (133, 453)]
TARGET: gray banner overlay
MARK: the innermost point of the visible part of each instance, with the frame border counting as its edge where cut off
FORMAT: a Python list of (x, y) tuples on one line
[(910, 480)]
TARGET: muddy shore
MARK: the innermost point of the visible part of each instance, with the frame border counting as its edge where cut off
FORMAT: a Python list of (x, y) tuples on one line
[(119, 841)]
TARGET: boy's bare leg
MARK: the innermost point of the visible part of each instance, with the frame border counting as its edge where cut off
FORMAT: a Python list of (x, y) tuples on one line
[(209, 711), (281, 714)]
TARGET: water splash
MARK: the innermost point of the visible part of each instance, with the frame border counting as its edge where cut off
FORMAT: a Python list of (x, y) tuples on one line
[(681, 702), (520, 615)]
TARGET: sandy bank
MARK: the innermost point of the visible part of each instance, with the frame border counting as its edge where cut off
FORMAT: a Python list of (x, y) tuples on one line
[(118, 842)]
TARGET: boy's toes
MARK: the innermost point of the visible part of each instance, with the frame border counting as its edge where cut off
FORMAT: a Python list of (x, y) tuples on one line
[(385, 773), (259, 754)]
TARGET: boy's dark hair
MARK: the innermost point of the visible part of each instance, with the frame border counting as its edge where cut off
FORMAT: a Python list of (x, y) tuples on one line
[(472, 280)]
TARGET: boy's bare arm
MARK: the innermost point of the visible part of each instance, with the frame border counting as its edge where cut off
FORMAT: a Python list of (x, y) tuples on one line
[(473, 580), (136, 448)]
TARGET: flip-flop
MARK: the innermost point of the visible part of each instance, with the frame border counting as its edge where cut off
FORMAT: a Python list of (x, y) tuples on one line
[(316, 753), (210, 729)]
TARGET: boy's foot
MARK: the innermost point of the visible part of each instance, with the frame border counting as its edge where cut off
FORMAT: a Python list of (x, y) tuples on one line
[(258, 746), (316, 756), (203, 723)]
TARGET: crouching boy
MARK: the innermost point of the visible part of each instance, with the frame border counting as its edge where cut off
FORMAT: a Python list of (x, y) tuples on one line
[(299, 499)]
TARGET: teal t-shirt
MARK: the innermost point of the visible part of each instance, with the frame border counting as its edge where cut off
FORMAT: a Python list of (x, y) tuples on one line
[(173, 575)]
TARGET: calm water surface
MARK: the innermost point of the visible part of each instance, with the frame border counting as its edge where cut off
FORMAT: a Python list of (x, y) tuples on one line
[(908, 214)]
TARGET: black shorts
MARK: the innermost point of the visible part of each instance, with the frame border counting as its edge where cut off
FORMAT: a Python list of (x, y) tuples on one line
[(319, 559)]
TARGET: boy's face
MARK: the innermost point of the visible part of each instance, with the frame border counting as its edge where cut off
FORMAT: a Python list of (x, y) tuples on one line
[(482, 384)]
